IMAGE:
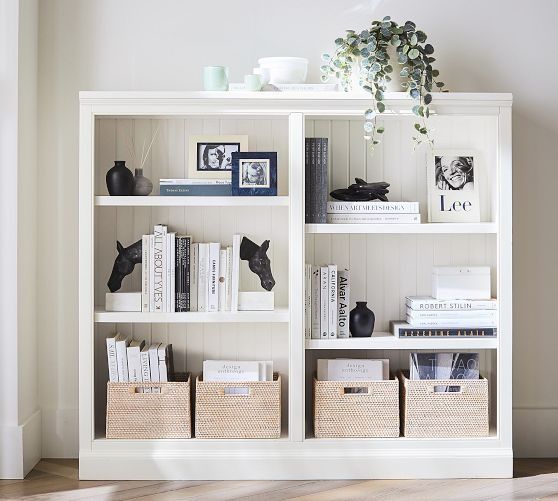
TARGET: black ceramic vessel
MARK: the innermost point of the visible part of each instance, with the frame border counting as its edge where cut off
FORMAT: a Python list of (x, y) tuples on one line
[(361, 320), (120, 180)]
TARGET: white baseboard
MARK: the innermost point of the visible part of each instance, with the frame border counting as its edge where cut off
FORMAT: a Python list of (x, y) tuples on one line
[(60, 433), (535, 433), (21, 447)]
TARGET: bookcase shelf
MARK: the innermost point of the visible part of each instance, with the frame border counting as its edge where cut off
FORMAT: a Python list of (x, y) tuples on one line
[(423, 228), (279, 315), (384, 269), (167, 201), (386, 341)]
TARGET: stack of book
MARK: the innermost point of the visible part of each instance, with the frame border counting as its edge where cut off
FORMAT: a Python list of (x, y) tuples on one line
[(131, 361), (326, 302), (373, 212), (179, 275), (195, 187), (315, 179), (429, 317)]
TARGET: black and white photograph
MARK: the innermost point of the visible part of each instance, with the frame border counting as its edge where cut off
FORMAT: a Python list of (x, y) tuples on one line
[(254, 173), (211, 155), (454, 172)]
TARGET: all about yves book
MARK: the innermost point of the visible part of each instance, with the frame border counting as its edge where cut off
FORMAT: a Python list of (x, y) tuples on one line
[(454, 179)]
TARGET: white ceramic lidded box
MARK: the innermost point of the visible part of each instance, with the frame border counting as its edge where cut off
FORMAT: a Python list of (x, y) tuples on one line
[(461, 282)]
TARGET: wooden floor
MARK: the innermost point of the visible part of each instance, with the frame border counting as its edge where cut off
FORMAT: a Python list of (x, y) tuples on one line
[(56, 479)]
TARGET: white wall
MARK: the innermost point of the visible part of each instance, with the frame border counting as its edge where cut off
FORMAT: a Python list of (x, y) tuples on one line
[(147, 45), (20, 419)]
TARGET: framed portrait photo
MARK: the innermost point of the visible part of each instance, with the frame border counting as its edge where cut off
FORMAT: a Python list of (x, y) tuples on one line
[(254, 174), (211, 156), (454, 178)]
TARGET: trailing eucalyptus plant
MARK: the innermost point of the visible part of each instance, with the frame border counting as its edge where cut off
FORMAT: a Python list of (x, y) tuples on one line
[(363, 59)]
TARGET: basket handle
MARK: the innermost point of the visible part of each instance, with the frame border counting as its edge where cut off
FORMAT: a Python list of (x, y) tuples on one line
[(236, 391), (355, 390), (140, 389), (444, 389)]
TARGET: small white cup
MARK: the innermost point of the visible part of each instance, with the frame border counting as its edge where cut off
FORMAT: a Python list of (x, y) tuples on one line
[(264, 74), (252, 82)]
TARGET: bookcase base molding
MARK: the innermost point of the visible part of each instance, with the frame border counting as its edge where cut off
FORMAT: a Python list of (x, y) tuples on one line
[(387, 262)]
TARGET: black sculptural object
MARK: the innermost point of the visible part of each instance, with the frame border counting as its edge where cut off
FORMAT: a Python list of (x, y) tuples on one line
[(259, 263), (362, 191), (124, 263)]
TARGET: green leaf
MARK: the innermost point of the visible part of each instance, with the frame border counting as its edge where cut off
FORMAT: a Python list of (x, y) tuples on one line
[(398, 30), (417, 126), (423, 130), (379, 95), (435, 73), (381, 107), (387, 18), (415, 93), (375, 67), (324, 68), (368, 126), (324, 78), (380, 130), (388, 68), (395, 41), (386, 32), (404, 73), (339, 41), (369, 114), (427, 112), (440, 84), (364, 34), (421, 111), (402, 58), (326, 57), (406, 48), (413, 53), (414, 40), (415, 109), (427, 99), (372, 44), (350, 31), (376, 141), (421, 35), (428, 49)]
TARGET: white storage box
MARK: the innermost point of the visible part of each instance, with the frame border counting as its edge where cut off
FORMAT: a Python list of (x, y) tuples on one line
[(457, 282)]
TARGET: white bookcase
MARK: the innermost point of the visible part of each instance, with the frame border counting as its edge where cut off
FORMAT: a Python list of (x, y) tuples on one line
[(387, 263)]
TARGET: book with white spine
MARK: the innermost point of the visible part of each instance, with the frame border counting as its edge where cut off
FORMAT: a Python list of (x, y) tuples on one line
[(451, 322), (194, 267), (144, 362), (171, 272), (203, 275), (195, 182), (235, 276), (231, 370), (222, 280), (154, 362), (343, 303), (163, 356), (316, 304), (122, 343), (373, 218), (213, 278), (228, 279), (339, 207), (134, 362), (159, 268), (324, 302), (111, 358), (429, 303), (145, 259), (490, 315), (152, 273), (307, 301), (332, 300)]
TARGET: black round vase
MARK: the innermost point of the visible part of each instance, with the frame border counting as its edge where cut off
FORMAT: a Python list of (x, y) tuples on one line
[(120, 180), (361, 320)]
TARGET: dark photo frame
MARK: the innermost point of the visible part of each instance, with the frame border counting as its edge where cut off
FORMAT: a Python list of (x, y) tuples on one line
[(254, 173)]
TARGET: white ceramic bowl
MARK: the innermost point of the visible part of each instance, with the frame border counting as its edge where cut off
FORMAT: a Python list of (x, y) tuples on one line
[(285, 70)]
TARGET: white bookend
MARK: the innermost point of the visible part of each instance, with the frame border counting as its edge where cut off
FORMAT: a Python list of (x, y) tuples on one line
[(231, 370), (228, 279), (235, 279), (213, 278), (111, 358), (346, 369), (307, 301), (145, 273), (144, 361), (343, 303), (152, 273), (256, 301), (222, 280), (332, 300), (123, 301), (159, 263), (324, 302), (162, 353), (171, 274), (122, 343), (203, 270), (315, 310), (154, 362), (194, 274), (134, 362)]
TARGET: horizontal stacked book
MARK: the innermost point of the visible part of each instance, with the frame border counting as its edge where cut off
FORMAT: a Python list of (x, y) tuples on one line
[(195, 187), (315, 179), (326, 302), (179, 275), (373, 212), (429, 317)]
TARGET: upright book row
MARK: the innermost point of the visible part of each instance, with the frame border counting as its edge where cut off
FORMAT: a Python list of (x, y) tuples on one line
[(179, 275), (326, 302), (316, 179)]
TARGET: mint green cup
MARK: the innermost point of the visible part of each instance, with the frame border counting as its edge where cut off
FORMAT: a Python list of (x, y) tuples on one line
[(215, 78)]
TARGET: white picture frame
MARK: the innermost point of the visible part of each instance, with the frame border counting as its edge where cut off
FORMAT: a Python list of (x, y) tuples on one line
[(454, 178), (211, 163)]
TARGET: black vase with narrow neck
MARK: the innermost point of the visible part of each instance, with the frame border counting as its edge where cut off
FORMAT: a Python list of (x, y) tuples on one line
[(120, 180)]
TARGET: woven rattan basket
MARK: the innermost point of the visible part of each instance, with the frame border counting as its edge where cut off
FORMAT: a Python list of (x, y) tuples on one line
[(133, 414), (460, 413), (222, 413), (372, 412)]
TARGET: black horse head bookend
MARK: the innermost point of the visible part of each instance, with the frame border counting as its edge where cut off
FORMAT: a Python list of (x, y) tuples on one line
[(362, 191), (124, 264), (259, 263)]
